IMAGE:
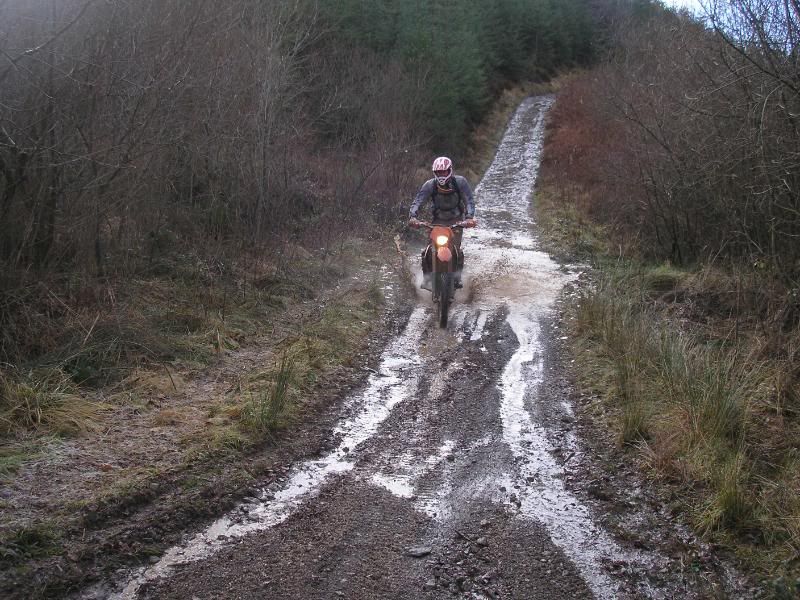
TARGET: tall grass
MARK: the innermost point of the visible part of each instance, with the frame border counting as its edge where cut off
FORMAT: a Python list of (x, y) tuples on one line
[(695, 405), (268, 410), (44, 400), (730, 504), (326, 341)]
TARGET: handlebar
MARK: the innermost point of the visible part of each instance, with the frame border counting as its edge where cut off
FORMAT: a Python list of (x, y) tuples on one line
[(462, 224)]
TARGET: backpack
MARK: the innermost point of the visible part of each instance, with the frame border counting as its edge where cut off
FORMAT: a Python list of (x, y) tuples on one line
[(436, 191)]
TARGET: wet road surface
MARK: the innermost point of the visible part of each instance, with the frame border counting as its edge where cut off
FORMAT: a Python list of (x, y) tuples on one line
[(446, 475)]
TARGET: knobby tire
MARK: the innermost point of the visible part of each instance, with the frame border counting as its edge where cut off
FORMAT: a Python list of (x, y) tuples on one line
[(444, 286)]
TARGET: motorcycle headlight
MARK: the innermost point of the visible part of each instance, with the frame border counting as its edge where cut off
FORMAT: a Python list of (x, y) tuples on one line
[(441, 240)]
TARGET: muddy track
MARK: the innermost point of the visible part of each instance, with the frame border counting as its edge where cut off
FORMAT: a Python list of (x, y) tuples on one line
[(460, 467)]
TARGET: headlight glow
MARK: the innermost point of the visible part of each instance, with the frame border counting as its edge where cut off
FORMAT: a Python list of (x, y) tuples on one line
[(441, 240)]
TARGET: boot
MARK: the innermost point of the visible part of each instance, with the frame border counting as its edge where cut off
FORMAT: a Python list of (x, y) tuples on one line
[(427, 281)]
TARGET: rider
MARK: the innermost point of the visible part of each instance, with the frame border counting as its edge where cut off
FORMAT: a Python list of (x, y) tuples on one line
[(452, 202)]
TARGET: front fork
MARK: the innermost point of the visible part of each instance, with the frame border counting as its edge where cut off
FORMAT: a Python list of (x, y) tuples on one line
[(456, 264), (441, 273)]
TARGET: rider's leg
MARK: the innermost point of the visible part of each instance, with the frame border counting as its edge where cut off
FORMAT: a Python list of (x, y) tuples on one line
[(457, 235), (427, 267)]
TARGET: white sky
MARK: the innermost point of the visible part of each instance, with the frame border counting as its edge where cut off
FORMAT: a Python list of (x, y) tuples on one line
[(693, 5)]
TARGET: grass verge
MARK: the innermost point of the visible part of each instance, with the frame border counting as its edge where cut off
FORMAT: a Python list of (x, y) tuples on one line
[(271, 397), (173, 414), (699, 396)]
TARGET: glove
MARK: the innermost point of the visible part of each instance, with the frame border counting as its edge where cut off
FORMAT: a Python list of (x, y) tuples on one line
[(413, 222), (471, 222)]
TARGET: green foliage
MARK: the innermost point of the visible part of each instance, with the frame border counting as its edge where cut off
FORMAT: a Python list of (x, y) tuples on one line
[(27, 543), (325, 343), (461, 52), (269, 409), (564, 231), (731, 505), (708, 388), (372, 24), (662, 278)]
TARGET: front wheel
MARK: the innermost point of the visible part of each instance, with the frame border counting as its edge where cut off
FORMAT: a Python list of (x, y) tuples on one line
[(443, 295)]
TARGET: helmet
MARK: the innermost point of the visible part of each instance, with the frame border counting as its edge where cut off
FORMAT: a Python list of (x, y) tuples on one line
[(442, 170)]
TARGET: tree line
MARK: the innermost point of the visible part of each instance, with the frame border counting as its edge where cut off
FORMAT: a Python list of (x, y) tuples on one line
[(130, 131), (698, 117)]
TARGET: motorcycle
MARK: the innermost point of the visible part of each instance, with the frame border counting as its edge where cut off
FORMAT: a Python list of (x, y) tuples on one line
[(445, 260)]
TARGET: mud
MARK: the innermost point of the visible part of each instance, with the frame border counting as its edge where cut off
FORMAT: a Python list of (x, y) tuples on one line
[(464, 465)]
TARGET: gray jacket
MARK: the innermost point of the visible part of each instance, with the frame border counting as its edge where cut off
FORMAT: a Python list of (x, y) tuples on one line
[(454, 203)]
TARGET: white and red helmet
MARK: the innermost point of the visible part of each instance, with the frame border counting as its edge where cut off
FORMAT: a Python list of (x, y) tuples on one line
[(442, 170)]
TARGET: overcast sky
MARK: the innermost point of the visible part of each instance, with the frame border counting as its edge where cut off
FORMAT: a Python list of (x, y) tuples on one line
[(693, 5)]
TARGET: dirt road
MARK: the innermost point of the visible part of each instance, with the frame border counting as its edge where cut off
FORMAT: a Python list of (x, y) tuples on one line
[(460, 468)]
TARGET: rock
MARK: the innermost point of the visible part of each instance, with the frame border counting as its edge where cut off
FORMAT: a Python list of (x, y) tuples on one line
[(485, 523), (418, 551), (430, 584), (482, 541)]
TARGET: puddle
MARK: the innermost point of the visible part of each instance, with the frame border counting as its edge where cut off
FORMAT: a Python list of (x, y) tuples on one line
[(527, 282), (408, 470), (542, 494), (480, 323)]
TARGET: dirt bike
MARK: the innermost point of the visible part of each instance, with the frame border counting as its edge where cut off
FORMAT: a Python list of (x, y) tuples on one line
[(445, 261)]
